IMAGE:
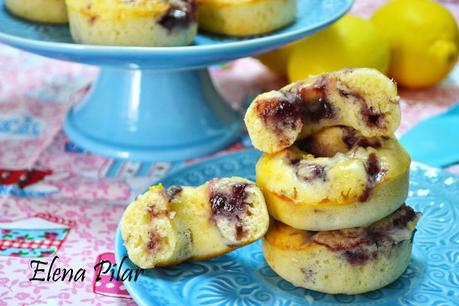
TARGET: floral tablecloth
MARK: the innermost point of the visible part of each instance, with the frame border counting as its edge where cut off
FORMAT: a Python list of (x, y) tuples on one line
[(57, 199)]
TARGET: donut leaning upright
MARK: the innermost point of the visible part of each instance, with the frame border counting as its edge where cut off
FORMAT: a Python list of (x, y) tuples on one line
[(335, 179)]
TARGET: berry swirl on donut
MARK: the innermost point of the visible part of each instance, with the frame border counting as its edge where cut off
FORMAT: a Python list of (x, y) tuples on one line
[(363, 99), (167, 226), (147, 23), (347, 261), (335, 179)]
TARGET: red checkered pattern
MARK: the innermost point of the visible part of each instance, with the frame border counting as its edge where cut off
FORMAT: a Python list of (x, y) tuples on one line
[(23, 244), (55, 219)]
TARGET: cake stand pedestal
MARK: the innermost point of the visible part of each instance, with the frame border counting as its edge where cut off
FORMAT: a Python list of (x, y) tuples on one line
[(151, 104), (150, 115)]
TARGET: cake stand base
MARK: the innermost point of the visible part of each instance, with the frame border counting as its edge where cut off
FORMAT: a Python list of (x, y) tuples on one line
[(126, 112)]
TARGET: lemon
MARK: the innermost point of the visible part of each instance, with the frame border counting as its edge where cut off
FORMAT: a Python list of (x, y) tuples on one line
[(277, 59), (424, 40), (352, 42)]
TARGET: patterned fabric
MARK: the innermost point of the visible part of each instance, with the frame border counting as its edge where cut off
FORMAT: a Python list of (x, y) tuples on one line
[(108, 287), (23, 242), (63, 182), (39, 236)]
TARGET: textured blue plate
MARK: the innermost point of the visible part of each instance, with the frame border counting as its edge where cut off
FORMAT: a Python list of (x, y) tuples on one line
[(243, 277), (55, 41)]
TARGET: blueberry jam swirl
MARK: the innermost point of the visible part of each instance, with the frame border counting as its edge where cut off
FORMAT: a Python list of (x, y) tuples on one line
[(315, 104), (295, 105), (359, 245), (281, 114), (375, 174), (311, 171), (173, 191), (353, 139), (370, 116), (154, 242), (231, 203), (180, 14)]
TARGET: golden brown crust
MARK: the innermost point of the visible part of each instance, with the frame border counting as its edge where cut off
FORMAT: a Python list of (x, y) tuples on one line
[(229, 3), (288, 238), (207, 256), (245, 17), (119, 11), (291, 203)]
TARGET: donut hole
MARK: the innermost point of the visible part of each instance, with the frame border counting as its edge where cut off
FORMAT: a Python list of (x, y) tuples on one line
[(338, 139)]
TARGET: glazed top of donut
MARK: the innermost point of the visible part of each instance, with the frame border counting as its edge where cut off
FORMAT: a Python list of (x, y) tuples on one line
[(336, 166)]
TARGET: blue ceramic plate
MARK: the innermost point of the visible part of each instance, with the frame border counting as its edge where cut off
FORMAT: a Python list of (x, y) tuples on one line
[(55, 41), (243, 277)]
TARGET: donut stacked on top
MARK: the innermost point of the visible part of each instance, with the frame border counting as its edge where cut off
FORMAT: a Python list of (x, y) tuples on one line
[(335, 180)]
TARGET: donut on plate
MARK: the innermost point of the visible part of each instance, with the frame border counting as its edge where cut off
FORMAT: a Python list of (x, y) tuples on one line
[(165, 227), (45, 11), (363, 99), (133, 22), (348, 261), (245, 17), (335, 179)]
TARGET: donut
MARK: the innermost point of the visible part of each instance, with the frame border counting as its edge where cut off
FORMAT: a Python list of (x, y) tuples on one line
[(347, 261), (168, 226), (45, 11), (363, 99), (133, 22), (245, 17), (334, 179)]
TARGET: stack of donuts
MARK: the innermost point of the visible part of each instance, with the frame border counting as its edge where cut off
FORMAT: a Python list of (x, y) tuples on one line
[(335, 180)]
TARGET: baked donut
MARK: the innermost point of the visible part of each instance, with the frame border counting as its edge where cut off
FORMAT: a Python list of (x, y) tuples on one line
[(133, 22), (45, 11), (349, 261), (168, 226), (363, 99), (335, 179), (245, 17)]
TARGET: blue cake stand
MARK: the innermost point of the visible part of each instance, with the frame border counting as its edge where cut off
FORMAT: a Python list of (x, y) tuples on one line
[(158, 103)]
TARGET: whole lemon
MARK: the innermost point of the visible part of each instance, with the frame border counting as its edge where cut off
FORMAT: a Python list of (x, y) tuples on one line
[(352, 42), (424, 40)]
